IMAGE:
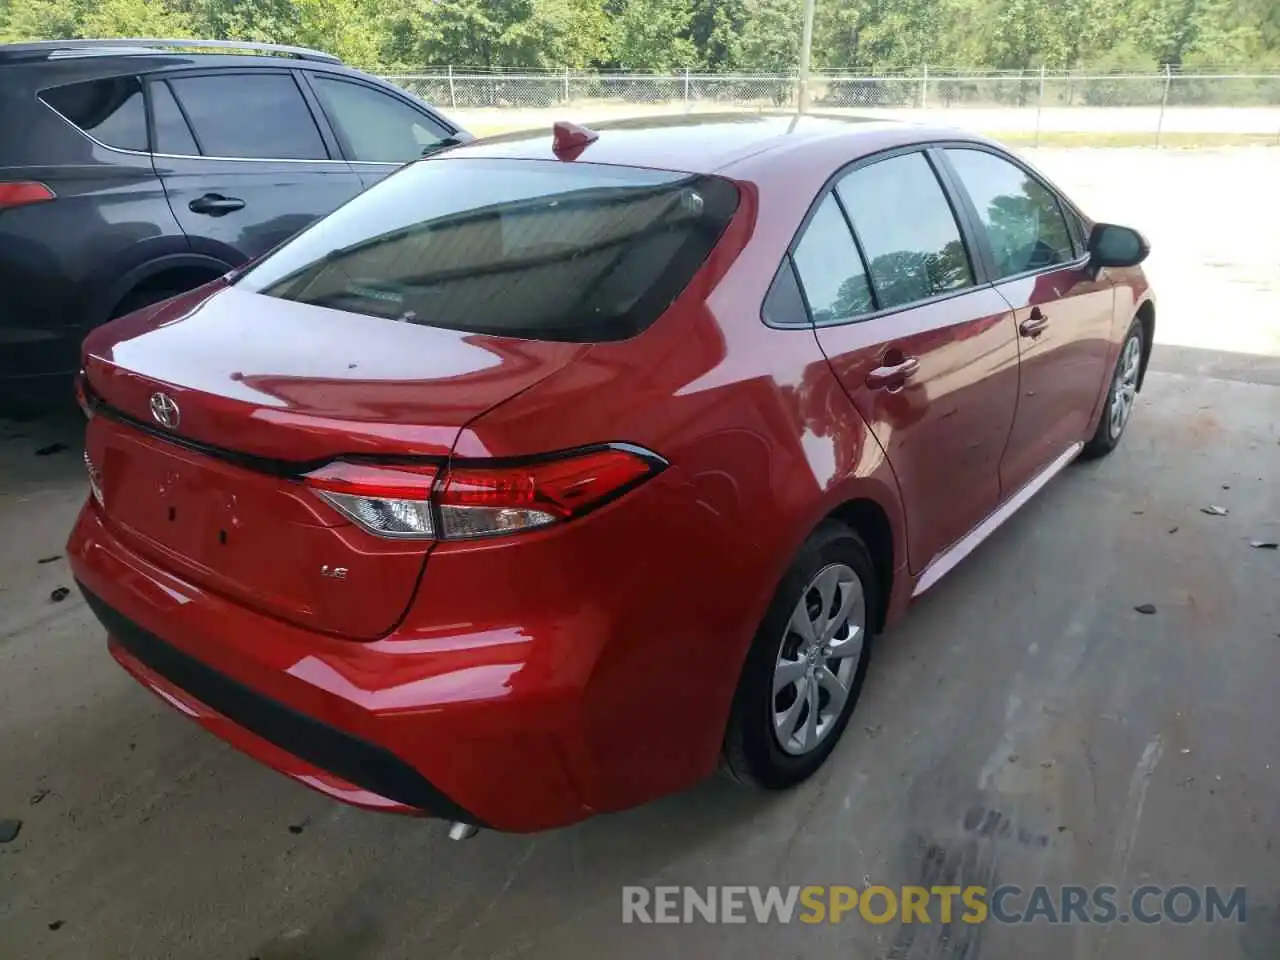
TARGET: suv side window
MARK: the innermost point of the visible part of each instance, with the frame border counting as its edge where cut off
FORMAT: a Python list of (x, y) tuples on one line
[(110, 110), (250, 116), (907, 228), (1020, 216), (376, 127), (173, 136), (831, 271)]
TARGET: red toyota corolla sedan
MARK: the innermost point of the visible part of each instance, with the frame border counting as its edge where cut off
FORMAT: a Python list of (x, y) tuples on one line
[(555, 470)]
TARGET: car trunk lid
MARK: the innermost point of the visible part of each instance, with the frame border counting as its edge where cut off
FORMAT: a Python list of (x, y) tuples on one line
[(214, 404)]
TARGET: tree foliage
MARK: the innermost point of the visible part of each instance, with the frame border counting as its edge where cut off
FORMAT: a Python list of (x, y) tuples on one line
[(728, 35)]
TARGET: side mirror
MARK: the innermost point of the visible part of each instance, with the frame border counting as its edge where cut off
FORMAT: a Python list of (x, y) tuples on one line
[(1111, 245)]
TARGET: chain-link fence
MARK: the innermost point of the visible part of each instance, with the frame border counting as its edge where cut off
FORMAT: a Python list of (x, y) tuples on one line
[(1025, 103)]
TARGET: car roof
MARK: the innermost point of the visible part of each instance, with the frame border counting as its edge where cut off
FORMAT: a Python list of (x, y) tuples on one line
[(715, 142)]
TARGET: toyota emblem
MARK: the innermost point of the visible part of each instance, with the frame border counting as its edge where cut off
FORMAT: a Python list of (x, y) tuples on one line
[(164, 410)]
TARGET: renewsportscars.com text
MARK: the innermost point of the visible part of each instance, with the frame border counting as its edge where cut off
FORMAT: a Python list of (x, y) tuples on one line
[(1008, 904)]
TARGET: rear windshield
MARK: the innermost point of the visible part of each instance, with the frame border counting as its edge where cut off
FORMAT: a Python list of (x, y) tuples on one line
[(523, 248)]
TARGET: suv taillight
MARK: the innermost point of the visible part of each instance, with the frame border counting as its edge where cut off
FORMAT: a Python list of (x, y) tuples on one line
[(21, 193), (477, 498)]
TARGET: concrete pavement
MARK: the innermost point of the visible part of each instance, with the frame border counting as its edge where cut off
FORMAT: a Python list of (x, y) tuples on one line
[(1024, 725)]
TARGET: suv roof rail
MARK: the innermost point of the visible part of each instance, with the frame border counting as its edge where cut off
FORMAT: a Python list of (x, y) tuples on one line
[(49, 49)]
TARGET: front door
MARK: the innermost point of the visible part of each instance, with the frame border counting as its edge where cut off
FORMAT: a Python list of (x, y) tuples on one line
[(927, 356), (243, 162), (1064, 313)]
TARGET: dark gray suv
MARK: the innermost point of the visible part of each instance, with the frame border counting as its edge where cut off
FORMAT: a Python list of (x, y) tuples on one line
[(132, 170)]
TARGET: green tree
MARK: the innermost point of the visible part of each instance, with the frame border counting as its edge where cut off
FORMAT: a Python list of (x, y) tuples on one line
[(134, 18), (45, 19), (655, 35)]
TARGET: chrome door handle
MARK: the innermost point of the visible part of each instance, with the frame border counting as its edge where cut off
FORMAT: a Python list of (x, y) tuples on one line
[(893, 376), (1034, 325)]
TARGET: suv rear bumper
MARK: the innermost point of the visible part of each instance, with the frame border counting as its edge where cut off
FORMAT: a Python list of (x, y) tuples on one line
[(379, 725)]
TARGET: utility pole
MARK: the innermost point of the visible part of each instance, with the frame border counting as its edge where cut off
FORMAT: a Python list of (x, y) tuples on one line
[(806, 48)]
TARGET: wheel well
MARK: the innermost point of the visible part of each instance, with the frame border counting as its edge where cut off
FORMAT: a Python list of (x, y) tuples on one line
[(869, 521), (169, 281), (1147, 317)]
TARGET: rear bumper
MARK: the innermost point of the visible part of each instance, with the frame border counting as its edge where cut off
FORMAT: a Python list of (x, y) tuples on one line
[(353, 769), (379, 725)]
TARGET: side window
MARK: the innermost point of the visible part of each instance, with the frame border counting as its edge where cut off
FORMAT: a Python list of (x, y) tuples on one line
[(908, 231), (111, 110), (173, 136), (376, 127), (784, 303), (831, 272), (251, 116), (1020, 216)]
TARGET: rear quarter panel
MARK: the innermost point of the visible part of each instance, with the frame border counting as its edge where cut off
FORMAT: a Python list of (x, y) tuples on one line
[(763, 444)]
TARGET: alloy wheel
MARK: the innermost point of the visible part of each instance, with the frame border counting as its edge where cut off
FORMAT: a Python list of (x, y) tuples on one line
[(818, 658), (1125, 386)]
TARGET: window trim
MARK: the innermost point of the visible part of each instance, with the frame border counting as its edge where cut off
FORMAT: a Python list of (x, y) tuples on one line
[(857, 245), (166, 76), (795, 267), (146, 108), (151, 115), (339, 136), (1079, 250), (976, 264), (962, 208)]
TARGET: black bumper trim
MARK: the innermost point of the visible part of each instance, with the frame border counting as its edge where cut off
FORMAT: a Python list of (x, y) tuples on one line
[(357, 761)]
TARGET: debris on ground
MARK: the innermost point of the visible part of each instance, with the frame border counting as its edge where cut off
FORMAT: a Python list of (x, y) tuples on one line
[(57, 925), (39, 795), (1138, 513), (1186, 781), (9, 829), (1046, 764), (872, 731), (59, 594), (1264, 544), (1226, 486), (51, 449), (1146, 608), (1185, 750), (1013, 758), (56, 556), (1214, 510), (1173, 529), (299, 827)]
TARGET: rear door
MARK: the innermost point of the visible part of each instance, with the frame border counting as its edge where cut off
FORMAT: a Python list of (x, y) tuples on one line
[(378, 131), (244, 162), (1064, 312), (923, 347)]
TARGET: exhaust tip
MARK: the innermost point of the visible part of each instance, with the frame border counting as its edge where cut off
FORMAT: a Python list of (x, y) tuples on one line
[(462, 831)]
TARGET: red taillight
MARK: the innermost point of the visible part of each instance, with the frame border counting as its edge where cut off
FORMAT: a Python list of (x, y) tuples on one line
[(21, 193), (478, 499), (375, 480)]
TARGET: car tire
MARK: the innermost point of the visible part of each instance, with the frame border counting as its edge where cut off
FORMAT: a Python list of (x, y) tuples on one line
[(1122, 392), (775, 739)]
